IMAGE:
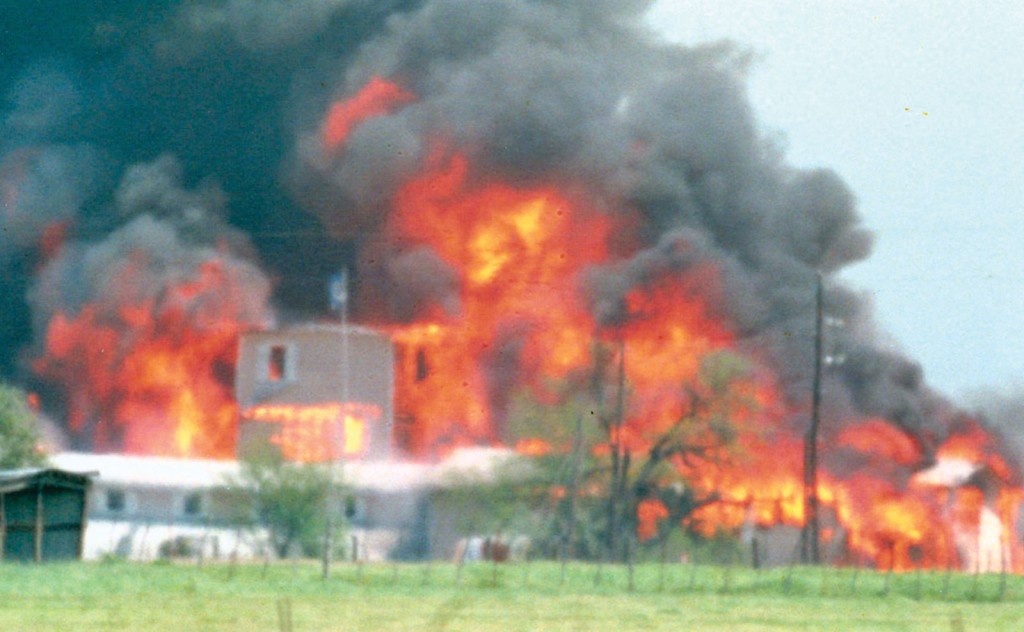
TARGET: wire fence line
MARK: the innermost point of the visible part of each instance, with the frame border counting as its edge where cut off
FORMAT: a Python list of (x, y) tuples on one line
[(714, 567), (648, 577)]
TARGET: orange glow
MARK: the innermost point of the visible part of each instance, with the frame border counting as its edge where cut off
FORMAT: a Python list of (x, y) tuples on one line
[(519, 252), (533, 447), (317, 433), (649, 513), (376, 98), (143, 380), (883, 440), (355, 435), (523, 256)]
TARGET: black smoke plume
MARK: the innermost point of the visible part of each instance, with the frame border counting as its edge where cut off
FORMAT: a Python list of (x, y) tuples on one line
[(177, 126)]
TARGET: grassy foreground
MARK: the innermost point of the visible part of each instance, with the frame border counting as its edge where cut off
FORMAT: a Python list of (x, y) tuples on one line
[(127, 596)]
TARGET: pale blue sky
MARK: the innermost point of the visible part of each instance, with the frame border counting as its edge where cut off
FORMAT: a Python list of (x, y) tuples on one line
[(919, 106)]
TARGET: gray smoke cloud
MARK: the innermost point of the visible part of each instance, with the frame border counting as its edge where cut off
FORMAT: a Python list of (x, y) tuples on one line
[(43, 184), (41, 187), (573, 92), (171, 235), (536, 91), (1002, 410)]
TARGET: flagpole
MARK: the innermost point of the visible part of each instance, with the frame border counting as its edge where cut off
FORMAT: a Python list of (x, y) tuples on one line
[(339, 300)]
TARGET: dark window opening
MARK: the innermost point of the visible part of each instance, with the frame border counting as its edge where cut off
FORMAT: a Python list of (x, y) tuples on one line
[(277, 363), (351, 508), (422, 367), (116, 500), (193, 505)]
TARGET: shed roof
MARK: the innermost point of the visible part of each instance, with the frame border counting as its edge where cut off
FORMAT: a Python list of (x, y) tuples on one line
[(18, 479)]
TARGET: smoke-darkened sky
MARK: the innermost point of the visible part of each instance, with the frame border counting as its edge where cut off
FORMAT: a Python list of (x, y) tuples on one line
[(916, 105)]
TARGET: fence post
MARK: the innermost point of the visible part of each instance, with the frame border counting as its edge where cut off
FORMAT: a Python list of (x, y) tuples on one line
[(1003, 563), (892, 566), (284, 614), (945, 580), (494, 563), (357, 559), (663, 562), (787, 581), (427, 565), (629, 562)]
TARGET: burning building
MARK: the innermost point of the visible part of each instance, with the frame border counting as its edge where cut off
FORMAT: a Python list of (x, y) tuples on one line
[(519, 186), (318, 393)]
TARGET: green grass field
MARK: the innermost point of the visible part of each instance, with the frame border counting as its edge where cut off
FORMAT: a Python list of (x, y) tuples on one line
[(125, 596)]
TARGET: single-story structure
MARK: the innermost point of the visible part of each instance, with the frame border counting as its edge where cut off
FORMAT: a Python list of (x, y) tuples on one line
[(42, 514), (142, 507)]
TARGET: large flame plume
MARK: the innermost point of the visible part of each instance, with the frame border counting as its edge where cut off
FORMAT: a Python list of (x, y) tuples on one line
[(146, 345), (521, 188)]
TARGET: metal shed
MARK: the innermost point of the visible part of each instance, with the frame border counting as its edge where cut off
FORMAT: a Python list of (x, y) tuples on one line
[(42, 514)]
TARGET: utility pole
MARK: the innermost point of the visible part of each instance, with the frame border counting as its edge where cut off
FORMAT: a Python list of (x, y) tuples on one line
[(810, 536)]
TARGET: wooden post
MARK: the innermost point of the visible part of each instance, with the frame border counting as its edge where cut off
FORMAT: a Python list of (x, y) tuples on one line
[(629, 562), (892, 567), (1003, 563), (39, 522), (3, 525), (664, 560), (568, 537), (84, 518), (357, 558)]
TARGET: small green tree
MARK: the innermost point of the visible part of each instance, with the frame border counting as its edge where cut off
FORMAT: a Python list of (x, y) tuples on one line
[(287, 499), (19, 431)]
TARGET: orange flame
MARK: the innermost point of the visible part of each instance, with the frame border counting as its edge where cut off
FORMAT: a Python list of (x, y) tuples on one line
[(144, 379), (518, 270), (533, 447), (317, 433), (518, 253), (376, 98), (649, 512)]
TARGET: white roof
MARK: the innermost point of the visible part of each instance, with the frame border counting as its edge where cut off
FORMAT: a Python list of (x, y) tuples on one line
[(179, 473), (147, 471)]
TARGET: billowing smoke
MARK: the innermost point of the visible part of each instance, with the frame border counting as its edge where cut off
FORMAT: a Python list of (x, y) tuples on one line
[(144, 148), (539, 91), (140, 326)]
